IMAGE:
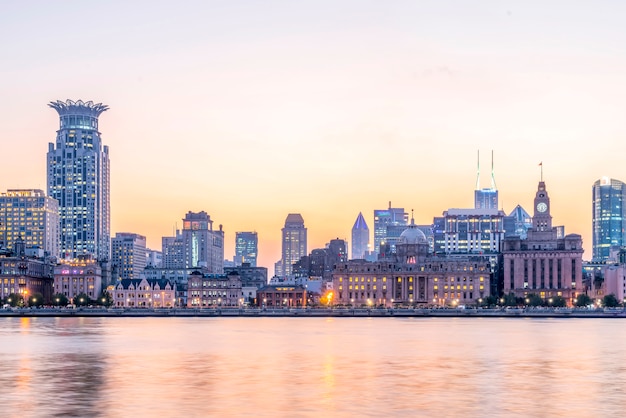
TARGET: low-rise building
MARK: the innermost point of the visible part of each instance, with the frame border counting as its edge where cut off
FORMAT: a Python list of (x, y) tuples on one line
[(214, 290), (76, 277), (144, 293), (282, 296)]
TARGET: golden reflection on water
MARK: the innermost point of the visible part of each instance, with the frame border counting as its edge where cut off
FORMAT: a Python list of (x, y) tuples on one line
[(300, 367)]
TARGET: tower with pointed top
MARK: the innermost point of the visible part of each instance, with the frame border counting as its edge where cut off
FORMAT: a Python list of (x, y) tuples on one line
[(78, 177), (486, 198), (360, 238)]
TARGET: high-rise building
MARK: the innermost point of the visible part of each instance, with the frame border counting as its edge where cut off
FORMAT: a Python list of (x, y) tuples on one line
[(203, 247), (246, 248), (384, 218), (31, 215), (128, 254), (294, 242), (486, 198), (360, 238), (173, 251), (609, 217), (78, 177)]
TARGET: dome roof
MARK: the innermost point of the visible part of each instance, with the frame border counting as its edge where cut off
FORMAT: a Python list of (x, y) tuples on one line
[(412, 235)]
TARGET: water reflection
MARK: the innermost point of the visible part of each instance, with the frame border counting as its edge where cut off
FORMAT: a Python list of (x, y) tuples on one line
[(201, 367)]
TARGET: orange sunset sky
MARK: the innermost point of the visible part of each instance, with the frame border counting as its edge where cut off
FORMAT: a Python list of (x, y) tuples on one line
[(253, 110)]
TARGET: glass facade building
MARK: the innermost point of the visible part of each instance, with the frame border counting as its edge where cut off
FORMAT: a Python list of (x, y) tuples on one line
[(78, 178), (384, 218), (609, 217), (32, 216), (246, 248)]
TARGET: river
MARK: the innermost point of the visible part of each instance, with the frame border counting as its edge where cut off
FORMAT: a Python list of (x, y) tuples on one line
[(301, 367)]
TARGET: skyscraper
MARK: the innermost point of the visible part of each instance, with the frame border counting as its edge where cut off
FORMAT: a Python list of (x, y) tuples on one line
[(384, 218), (203, 246), (293, 243), (78, 177), (485, 198), (246, 248), (609, 217), (32, 216), (128, 254), (360, 238)]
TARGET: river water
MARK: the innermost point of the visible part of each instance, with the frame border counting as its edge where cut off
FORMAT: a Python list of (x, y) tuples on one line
[(301, 367)]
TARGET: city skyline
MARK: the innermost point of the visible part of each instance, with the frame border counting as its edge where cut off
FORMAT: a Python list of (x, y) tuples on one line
[(320, 110)]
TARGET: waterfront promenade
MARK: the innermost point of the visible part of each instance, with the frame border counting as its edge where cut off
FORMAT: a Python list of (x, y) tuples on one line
[(319, 312)]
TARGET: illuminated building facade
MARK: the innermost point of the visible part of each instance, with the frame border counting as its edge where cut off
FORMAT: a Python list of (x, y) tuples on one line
[(474, 231), (78, 178), (76, 277), (543, 264), (246, 248), (609, 217), (144, 293), (25, 276), (282, 296), (384, 218), (294, 243), (32, 216), (412, 276), (486, 198), (203, 247), (214, 290), (128, 254)]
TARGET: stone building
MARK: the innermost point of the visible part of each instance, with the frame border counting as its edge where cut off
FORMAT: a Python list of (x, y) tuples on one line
[(412, 275), (543, 264), (144, 293), (214, 290)]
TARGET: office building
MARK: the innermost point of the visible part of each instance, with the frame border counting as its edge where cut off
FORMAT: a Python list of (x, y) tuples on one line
[(294, 244), (412, 275), (32, 216), (384, 218), (609, 217), (81, 277), (246, 248), (360, 238), (543, 264), (78, 178), (203, 246), (173, 251), (128, 255)]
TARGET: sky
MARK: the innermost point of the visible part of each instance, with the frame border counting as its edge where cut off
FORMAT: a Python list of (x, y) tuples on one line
[(253, 110)]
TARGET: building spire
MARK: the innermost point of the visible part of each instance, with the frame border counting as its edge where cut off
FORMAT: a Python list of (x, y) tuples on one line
[(478, 172), (493, 177)]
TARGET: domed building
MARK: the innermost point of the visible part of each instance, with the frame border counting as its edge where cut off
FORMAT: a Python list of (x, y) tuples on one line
[(412, 276)]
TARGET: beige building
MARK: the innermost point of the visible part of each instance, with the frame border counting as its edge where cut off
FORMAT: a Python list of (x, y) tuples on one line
[(412, 276), (543, 264), (214, 290), (80, 276), (144, 293)]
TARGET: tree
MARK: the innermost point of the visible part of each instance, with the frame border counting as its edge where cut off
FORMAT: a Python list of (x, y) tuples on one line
[(59, 299), (610, 301), (510, 300), (36, 299), (15, 299), (82, 300), (105, 299), (582, 300), (534, 300), (559, 302), (490, 301)]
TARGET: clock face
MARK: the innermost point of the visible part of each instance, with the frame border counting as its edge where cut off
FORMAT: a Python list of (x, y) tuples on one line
[(542, 207)]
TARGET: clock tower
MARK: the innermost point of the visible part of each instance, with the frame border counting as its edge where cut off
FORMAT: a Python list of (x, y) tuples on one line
[(542, 220)]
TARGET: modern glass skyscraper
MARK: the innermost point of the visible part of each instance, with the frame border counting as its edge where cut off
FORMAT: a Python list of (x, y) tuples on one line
[(609, 217), (203, 247), (384, 218), (294, 242), (30, 215), (78, 177), (128, 254), (360, 238), (486, 198), (246, 248)]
